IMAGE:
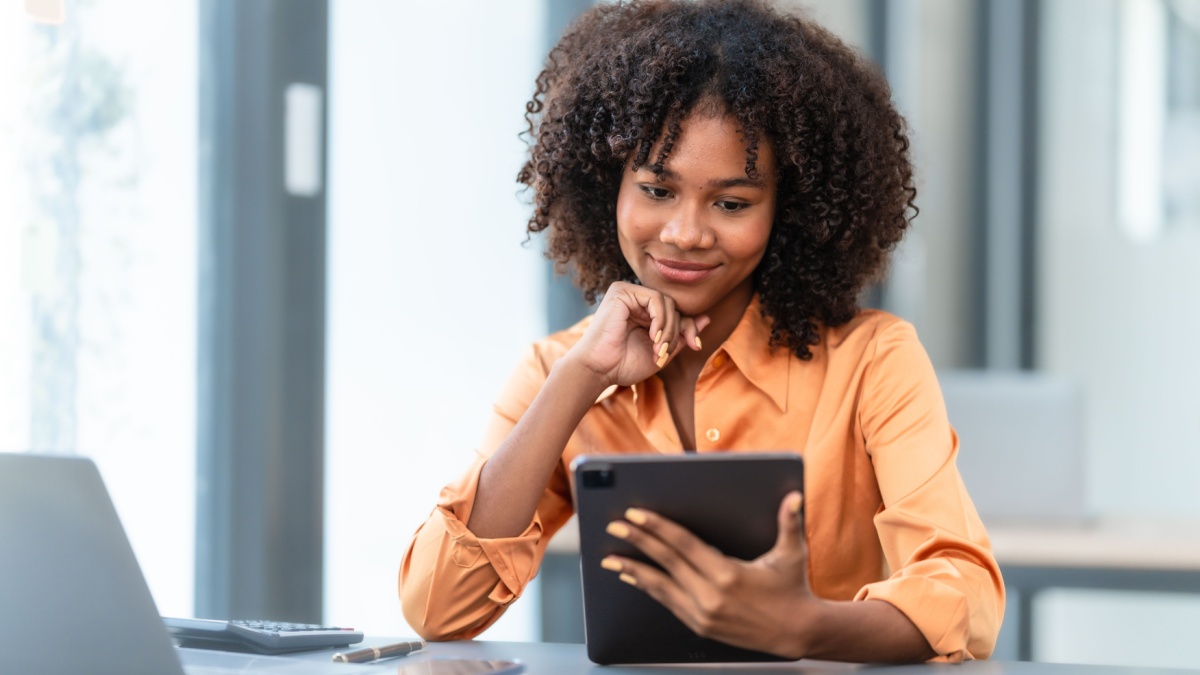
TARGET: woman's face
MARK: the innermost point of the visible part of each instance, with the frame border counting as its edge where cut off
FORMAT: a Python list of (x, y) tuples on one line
[(698, 233)]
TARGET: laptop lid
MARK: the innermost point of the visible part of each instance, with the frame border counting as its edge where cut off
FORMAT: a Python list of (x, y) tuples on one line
[(72, 597)]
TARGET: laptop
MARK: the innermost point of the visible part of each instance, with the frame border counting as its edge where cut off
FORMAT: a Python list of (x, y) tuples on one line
[(72, 597)]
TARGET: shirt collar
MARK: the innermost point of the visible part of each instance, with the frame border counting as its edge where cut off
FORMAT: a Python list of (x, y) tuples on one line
[(766, 368), (747, 347)]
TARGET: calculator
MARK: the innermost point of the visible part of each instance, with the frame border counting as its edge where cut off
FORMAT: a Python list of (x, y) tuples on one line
[(261, 637)]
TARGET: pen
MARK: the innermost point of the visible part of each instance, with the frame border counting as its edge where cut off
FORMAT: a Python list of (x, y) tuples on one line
[(376, 653)]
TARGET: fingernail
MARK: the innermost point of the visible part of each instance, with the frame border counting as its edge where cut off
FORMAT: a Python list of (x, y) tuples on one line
[(618, 530), (662, 361), (698, 343), (658, 335), (628, 578), (611, 564), (635, 516), (794, 507), (662, 351)]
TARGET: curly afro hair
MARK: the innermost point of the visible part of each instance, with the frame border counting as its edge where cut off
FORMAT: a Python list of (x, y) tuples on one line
[(625, 75)]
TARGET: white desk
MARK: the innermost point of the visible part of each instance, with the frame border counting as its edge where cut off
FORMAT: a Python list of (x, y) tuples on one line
[(1111, 554), (571, 659)]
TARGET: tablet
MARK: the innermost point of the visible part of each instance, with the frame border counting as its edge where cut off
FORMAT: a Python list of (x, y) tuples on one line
[(730, 500)]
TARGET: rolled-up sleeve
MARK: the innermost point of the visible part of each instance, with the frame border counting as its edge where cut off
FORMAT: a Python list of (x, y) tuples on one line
[(453, 585), (944, 577)]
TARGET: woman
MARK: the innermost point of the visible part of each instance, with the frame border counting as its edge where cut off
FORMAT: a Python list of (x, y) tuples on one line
[(728, 179)]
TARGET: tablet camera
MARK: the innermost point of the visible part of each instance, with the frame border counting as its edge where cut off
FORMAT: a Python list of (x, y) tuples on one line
[(599, 478)]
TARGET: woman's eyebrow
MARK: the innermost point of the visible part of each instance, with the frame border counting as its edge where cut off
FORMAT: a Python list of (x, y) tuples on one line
[(720, 183), (738, 182)]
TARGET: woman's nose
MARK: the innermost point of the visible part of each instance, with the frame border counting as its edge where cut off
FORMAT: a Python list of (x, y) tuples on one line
[(687, 230)]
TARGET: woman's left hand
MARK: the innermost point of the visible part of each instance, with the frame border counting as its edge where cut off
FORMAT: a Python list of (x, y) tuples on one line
[(762, 604)]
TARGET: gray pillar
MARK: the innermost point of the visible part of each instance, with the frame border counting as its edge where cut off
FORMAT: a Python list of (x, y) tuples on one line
[(1008, 36), (261, 343)]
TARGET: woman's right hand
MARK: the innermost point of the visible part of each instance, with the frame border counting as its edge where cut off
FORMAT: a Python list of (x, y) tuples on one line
[(634, 333)]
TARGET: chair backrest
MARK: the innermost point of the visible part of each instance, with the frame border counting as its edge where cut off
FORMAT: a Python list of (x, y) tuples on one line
[(1021, 444)]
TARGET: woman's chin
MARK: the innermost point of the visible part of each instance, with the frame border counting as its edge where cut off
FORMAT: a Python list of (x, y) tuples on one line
[(688, 301)]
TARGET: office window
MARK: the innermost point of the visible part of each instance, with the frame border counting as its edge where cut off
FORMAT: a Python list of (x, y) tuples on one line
[(1159, 117), (97, 260), (1181, 161)]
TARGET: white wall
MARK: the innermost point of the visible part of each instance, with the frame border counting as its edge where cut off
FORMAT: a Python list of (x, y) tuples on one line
[(432, 297)]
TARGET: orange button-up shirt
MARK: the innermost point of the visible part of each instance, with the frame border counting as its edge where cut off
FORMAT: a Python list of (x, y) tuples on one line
[(888, 517)]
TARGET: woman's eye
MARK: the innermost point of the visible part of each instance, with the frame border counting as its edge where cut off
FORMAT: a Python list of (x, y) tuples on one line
[(730, 207), (655, 192)]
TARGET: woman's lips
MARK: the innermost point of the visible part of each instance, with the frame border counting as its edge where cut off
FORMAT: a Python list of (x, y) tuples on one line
[(682, 272)]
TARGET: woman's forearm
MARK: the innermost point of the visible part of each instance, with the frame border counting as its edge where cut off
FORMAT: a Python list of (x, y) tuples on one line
[(515, 476), (868, 631)]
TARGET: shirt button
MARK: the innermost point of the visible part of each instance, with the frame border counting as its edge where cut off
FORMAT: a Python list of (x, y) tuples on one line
[(713, 435), (718, 360)]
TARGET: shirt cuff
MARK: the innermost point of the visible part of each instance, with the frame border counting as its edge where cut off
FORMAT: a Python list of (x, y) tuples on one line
[(937, 609), (514, 559)]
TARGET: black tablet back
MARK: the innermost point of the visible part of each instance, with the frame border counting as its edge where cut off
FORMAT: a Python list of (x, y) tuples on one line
[(730, 500)]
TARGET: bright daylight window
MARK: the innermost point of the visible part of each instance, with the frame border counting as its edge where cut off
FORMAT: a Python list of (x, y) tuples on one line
[(98, 260), (1159, 172), (1181, 161)]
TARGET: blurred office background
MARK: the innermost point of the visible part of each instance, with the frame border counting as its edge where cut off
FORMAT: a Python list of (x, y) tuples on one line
[(264, 262)]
